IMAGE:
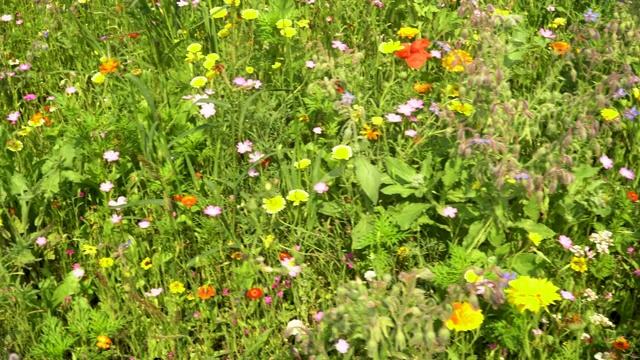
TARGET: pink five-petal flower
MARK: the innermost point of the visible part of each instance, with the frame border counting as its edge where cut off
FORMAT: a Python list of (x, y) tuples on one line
[(212, 211), (606, 162), (547, 33), (321, 187), (565, 241), (627, 173), (111, 155), (244, 147), (449, 211)]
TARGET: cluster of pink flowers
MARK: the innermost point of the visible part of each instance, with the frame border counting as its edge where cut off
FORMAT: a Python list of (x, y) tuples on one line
[(247, 83)]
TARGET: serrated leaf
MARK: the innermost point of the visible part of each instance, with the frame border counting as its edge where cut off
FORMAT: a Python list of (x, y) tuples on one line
[(399, 171), (19, 184), (369, 178), (409, 214)]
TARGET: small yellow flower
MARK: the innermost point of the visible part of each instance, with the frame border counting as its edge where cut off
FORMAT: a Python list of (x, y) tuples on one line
[(377, 120), (276, 65), (14, 145), (223, 33), (191, 296), (218, 12), (176, 287), (209, 64), (136, 72), (284, 23), (268, 240), (535, 238), (501, 12), (25, 131), (194, 48), (408, 32), (451, 91), (106, 262), (558, 22), (146, 263), (249, 70), (297, 196), (466, 109), (274, 204), (471, 277), (455, 61), (98, 78), (89, 250), (232, 2), (198, 81), (475, 186), (303, 23), (302, 164), (341, 152), (509, 179), (389, 47), (193, 57), (403, 252), (250, 14), (288, 32), (579, 264), (610, 114), (636, 93)]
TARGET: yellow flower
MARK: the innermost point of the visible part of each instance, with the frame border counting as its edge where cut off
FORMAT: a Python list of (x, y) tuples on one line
[(471, 277), (250, 14), (464, 317), (579, 264), (297, 196), (475, 186), (198, 81), (535, 238), (466, 109), (408, 32), (249, 70), (213, 56), (190, 296), (389, 47), (455, 61), (501, 12), (276, 65), (218, 12), (288, 32), (25, 131), (268, 240), (14, 145), (377, 120), (194, 48), (98, 78), (303, 23), (509, 179), (284, 23), (451, 91), (146, 263), (403, 252), (193, 57), (341, 152), (232, 2), (36, 120), (176, 287), (89, 250), (209, 64), (223, 33), (527, 293), (558, 22), (302, 164), (636, 93), (610, 114), (106, 262), (274, 204)]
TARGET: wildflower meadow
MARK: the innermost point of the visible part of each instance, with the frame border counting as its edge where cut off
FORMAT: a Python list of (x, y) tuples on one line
[(319, 179)]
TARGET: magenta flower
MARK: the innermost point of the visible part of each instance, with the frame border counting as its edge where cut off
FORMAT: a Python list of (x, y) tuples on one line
[(565, 241), (30, 97), (111, 156), (450, 211), (337, 44), (212, 211), (318, 316), (268, 300), (321, 187), (244, 147), (24, 67), (627, 173), (606, 162)]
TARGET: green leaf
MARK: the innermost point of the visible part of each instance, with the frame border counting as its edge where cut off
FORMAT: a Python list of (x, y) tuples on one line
[(144, 90), (369, 178), (141, 202), (400, 171), (496, 236), (397, 190), (409, 214), (474, 236), (534, 227), (69, 286), (18, 184), (526, 264), (532, 209), (585, 171), (50, 185), (330, 208), (451, 172), (73, 176), (360, 231)]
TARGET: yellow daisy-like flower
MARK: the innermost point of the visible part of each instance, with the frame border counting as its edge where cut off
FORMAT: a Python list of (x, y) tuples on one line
[(302, 164), (284, 23), (466, 109), (464, 317), (15, 145), (408, 32), (250, 14), (451, 91), (223, 33), (106, 262), (389, 47), (98, 78), (501, 12), (191, 296), (610, 114), (579, 264), (377, 120), (558, 22), (146, 263), (194, 48), (274, 204), (198, 81), (455, 61), (471, 277), (535, 238), (176, 287), (89, 250), (213, 56), (209, 64), (25, 131), (268, 240), (527, 293), (297, 196), (218, 12), (403, 252), (288, 32), (341, 152), (36, 120), (193, 57)]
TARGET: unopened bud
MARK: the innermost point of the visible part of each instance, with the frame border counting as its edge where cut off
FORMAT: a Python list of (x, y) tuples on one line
[(443, 335)]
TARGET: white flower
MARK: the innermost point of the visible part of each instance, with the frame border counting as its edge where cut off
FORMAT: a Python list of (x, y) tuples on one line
[(294, 327), (370, 275)]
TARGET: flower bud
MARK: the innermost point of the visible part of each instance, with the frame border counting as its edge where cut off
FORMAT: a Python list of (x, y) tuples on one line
[(443, 335)]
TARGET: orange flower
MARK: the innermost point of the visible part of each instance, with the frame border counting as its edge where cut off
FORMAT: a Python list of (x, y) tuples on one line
[(632, 196), (422, 88), (109, 66), (621, 343), (177, 197), (254, 293), (206, 292), (370, 133), (189, 200), (464, 317), (560, 47), (284, 255), (415, 54), (104, 342)]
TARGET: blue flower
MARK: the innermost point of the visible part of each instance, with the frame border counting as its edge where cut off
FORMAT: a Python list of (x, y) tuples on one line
[(590, 16), (348, 97), (631, 114), (619, 94)]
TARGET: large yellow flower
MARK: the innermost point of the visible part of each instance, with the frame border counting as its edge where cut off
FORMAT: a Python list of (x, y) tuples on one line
[(274, 204), (464, 317), (176, 287), (466, 109), (89, 250), (218, 12), (455, 61), (609, 114), (528, 293), (341, 152), (297, 196)]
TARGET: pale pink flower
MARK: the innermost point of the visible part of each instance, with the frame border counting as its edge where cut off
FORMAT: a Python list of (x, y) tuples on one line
[(567, 295), (144, 224), (321, 187), (342, 346), (78, 272), (153, 292), (547, 33), (253, 172), (115, 218), (416, 103), (212, 211), (411, 133), (394, 118), (405, 109), (13, 117), (182, 3), (337, 44), (244, 147), (255, 157), (41, 241), (536, 332), (70, 90), (24, 67), (627, 173), (106, 186), (449, 211), (111, 156), (121, 201), (310, 64), (317, 130), (6, 17), (606, 162), (565, 241), (318, 316), (207, 110)]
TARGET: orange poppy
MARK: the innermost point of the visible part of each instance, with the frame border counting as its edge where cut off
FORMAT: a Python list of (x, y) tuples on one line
[(560, 47), (189, 200), (104, 342), (621, 343), (632, 196), (177, 197), (134, 35), (415, 54), (206, 292), (109, 66), (254, 293), (422, 87)]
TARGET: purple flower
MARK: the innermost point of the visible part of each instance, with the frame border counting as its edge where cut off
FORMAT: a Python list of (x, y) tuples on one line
[(590, 16), (567, 295), (321, 188), (30, 97), (45, 34), (619, 94), (435, 108), (631, 114), (348, 98), (606, 162), (450, 211), (627, 173)]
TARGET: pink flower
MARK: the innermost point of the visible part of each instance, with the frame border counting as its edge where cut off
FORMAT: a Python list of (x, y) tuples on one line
[(70, 90), (310, 64), (225, 291), (394, 118), (196, 315), (41, 241), (337, 44), (212, 211), (255, 157), (111, 156), (240, 81), (317, 130), (13, 117), (153, 292), (78, 273), (637, 272), (207, 110), (253, 172), (70, 252), (606, 162), (342, 346), (547, 34), (627, 173), (536, 332), (29, 97), (268, 300), (144, 224), (436, 54), (411, 133), (630, 250), (405, 109), (6, 17), (416, 103), (121, 201), (182, 3), (565, 241), (280, 293), (244, 147), (318, 316), (106, 186), (567, 295), (450, 211), (24, 67), (321, 187), (115, 218)]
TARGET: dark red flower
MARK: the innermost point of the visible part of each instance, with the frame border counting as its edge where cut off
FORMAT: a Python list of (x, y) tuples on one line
[(265, 162)]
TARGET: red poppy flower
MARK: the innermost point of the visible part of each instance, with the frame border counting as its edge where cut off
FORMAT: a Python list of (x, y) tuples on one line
[(284, 255), (265, 162), (134, 35), (254, 293), (415, 54), (177, 197), (632, 196)]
